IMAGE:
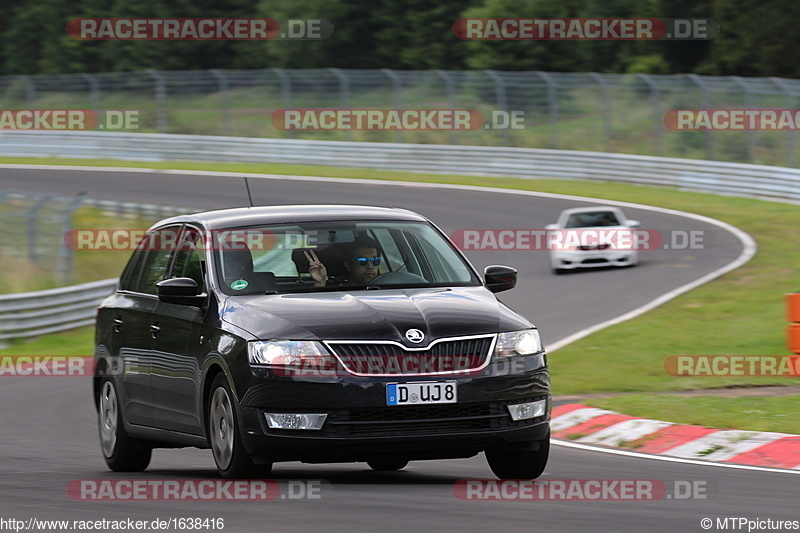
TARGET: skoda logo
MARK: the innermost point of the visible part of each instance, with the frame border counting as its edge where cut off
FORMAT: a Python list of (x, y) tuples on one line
[(415, 335)]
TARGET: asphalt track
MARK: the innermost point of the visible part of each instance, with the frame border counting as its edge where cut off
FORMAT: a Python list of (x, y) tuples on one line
[(49, 436)]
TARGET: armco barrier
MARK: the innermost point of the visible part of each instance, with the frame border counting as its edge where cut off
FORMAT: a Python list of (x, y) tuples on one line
[(36, 313), (687, 174)]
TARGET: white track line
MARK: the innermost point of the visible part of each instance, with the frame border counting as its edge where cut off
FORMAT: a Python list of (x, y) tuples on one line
[(626, 453)]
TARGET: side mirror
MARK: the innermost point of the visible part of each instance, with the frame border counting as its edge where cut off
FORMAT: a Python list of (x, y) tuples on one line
[(633, 223), (181, 291), (500, 278)]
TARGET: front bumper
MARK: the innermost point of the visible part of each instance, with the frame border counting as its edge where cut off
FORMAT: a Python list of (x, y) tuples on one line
[(566, 260), (360, 426)]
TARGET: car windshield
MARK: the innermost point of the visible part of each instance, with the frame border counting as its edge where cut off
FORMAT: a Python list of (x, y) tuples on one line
[(592, 220), (356, 256)]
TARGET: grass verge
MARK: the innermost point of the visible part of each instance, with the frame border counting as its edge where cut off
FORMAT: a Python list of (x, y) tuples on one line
[(756, 413), (741, 313)]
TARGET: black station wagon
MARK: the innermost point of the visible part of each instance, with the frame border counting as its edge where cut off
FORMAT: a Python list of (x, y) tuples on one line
[(317, 334)]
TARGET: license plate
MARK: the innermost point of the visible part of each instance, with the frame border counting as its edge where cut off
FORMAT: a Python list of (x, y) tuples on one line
[(421, 393)]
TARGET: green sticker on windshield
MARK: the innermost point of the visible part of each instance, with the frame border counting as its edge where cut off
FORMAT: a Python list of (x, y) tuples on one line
[(238, 285)]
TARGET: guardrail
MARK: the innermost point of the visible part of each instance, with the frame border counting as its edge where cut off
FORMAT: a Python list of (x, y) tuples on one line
[(687, 174), (36, 313), (41, 312)]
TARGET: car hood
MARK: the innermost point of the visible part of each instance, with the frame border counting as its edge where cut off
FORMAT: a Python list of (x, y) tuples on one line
[(372, 315)]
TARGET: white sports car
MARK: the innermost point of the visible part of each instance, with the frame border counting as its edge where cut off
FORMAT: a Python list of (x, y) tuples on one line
[(589, 237)]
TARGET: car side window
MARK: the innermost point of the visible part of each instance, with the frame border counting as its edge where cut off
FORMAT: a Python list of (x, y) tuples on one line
[(189, 259), (130, 275), (159, 245)]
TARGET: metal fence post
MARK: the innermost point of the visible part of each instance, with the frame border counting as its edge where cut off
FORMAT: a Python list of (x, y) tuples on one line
[(655, 94), (286, 92), (704, 102), (344, 94), (224, 100), (30, 92), (64, 273), (31, 216), (552, 105), (501, 100), (450, 91), (161, 101), (791, 138), (748, 101), (606, 110), (286, 86), (94, 91), (397, 96)]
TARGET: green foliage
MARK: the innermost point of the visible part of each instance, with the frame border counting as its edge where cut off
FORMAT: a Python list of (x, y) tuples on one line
[(650, 64), (756, 37)]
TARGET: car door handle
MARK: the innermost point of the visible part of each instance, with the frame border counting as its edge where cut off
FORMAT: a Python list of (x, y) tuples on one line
[(154, 329), (117, 325)]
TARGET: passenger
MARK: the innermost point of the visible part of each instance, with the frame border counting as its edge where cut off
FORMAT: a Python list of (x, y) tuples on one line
[(362, 264)]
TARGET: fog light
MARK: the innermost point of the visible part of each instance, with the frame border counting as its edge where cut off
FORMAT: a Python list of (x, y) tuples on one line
[(522, 411), (295, 421)]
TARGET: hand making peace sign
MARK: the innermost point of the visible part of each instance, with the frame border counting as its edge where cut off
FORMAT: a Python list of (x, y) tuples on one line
[(315, 267)]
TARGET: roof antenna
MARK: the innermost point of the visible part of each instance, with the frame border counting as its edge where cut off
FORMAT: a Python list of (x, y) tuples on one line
[(249, 196)]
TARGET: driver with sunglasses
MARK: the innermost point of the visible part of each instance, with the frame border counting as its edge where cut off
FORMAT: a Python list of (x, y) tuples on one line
[(362, 265)]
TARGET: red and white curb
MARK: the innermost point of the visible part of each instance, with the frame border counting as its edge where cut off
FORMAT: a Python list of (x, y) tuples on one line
[(588, 425)]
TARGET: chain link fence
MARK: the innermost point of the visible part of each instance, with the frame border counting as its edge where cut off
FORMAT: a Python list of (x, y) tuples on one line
[(576, 111), (34, 229)]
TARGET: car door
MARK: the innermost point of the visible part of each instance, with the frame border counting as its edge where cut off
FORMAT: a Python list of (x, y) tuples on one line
[(175, 345), (131, 318)]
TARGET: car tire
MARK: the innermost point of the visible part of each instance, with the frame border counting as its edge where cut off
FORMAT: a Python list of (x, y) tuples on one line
[(559, 271), (119, 450), (387, 465), (225, 438), (519, 464)]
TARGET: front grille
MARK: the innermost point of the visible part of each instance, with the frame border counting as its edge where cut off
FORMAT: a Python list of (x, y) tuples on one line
[(594, 247), (423, 420), (389, 358), (596, 260)]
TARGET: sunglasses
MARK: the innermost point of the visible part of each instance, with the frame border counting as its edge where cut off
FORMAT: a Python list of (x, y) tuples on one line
[(364, 261)]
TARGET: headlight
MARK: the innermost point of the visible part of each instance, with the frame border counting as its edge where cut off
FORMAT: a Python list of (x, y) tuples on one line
[(288, 353), (525, 342)]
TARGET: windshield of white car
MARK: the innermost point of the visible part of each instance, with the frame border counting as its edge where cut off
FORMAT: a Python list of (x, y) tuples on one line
[(593, 219)]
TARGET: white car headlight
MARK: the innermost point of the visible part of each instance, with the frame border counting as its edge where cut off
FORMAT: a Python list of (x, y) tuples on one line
[(288, 353), (525, 342)]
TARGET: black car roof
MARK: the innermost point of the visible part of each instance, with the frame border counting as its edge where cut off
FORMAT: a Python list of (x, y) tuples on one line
[(279, 214)]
